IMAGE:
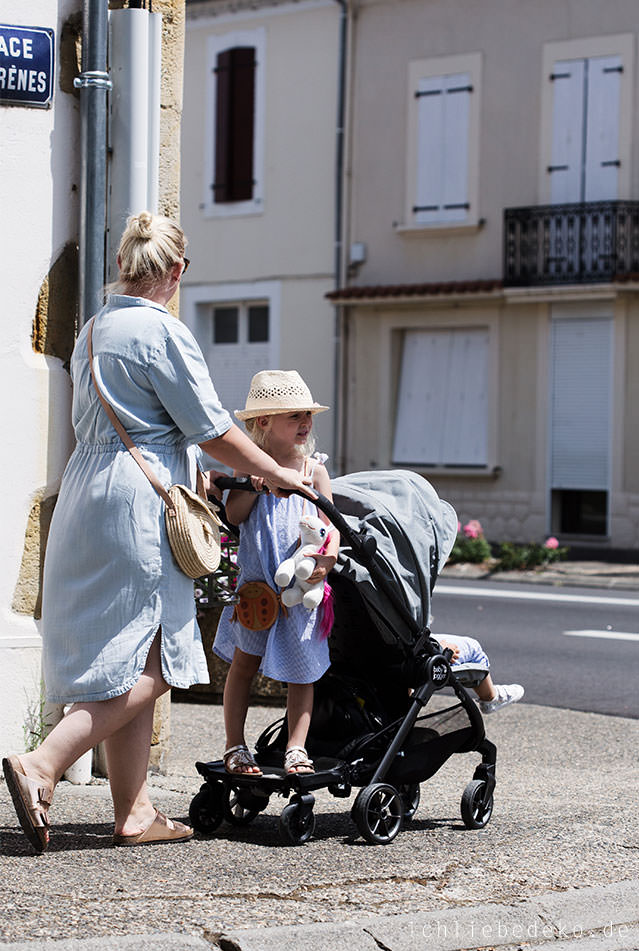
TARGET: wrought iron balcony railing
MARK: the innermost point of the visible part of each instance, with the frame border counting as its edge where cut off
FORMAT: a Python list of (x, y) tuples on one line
[(571, 244)]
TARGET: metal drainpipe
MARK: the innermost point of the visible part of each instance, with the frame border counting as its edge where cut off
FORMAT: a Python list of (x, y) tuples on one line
[(339, 212), (94, 85)]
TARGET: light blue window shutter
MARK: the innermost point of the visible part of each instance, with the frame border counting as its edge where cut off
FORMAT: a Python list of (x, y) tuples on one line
[(602, 128), (429, 196), (456, 127), (442, 402), (466, 409), (566, 161), (581, 403)]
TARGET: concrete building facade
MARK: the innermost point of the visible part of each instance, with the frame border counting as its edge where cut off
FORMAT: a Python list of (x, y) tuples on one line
[(492, 322), (262, 256)]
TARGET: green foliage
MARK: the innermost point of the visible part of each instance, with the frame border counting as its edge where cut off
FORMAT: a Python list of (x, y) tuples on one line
[(513, 557), (474, 550), (33, 728), (471, 546)]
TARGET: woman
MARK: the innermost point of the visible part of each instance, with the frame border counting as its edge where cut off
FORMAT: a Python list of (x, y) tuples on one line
[(118, 615)]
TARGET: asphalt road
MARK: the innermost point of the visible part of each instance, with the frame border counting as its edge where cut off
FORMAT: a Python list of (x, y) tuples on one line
[(574, 648)]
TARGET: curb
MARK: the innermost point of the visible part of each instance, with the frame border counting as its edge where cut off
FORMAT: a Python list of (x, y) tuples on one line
[(600, 918), (605, 917), (626, 580)]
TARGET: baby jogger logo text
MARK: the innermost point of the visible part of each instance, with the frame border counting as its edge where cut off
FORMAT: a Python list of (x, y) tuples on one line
[(485, 932)]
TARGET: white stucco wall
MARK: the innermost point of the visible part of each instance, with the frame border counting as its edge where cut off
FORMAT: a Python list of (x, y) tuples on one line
[(289, 239), (40, 165)]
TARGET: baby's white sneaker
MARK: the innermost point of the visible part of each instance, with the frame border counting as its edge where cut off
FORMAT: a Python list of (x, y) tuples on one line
[(504, 694)]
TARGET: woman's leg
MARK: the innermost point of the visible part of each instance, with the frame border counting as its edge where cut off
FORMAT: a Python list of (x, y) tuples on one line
[(237, 693), (127, 753), (87, 724)]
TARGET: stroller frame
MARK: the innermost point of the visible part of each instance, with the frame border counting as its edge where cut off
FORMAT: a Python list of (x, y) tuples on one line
[(381, 807)]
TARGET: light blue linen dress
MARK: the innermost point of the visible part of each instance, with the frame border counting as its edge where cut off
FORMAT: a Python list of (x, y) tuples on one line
[(110, 579), (291, 650)]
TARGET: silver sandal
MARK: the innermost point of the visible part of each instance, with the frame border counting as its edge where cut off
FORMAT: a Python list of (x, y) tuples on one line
[(238, 758), (296, 761)]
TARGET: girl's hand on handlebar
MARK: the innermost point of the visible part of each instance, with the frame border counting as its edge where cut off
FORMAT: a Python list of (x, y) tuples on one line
[(258, 483)]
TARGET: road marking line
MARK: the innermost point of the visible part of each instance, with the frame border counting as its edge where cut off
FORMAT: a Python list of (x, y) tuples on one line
[(535, 596), (611, 635)]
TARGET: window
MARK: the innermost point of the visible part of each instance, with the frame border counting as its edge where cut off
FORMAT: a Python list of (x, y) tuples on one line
[(234, 124), (240, 342), (585, 159), (443, 142), (235, 127), (442, 406), (587, 109)]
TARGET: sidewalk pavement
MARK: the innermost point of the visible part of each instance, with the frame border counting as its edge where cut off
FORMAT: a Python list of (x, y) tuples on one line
[(557, 867), (586, 574)]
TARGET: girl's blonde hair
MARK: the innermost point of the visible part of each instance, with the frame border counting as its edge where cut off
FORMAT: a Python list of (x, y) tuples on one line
[(150, 246), (260, 436)]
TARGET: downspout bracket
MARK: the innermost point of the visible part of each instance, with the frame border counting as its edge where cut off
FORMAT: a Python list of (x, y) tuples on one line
[(93, 78)]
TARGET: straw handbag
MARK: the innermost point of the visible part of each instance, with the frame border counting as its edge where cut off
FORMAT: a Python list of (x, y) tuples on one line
[(192, 523)]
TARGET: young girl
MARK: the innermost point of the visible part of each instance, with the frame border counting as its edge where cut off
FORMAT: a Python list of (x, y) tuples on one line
[(278, 416)]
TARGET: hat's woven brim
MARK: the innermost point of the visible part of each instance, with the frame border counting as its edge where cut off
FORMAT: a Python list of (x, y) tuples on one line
[(274, 410), (194, 532)]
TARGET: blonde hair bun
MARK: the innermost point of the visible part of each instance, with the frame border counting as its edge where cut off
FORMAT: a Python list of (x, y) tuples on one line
[(149, 248)]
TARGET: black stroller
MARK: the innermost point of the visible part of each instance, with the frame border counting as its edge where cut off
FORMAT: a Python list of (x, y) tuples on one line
[(370, 726)]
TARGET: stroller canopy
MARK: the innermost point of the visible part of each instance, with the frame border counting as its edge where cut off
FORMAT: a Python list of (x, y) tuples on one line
[(414, 530)]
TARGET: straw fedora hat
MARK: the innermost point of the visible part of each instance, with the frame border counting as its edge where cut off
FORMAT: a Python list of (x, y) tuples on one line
[(278, 391)]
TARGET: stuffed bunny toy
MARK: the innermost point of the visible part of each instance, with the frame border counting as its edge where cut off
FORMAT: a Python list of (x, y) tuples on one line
[(313, 536)]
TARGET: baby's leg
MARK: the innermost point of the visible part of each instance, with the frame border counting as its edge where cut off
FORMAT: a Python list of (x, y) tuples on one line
[(470, 650), (237, 691), (486, 689)]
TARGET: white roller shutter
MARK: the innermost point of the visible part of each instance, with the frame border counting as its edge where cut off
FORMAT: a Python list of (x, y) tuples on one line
[(581, 403)]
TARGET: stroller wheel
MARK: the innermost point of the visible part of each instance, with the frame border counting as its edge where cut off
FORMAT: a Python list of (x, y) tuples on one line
[(207, 808), (378, 813), (410, 797), (297, 821), (240, 807), (474, 811)]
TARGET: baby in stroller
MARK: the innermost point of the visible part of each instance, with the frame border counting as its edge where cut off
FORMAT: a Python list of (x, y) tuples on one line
[(467, 650)]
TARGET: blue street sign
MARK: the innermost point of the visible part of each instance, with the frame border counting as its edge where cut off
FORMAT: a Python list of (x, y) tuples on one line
[(26, 66)]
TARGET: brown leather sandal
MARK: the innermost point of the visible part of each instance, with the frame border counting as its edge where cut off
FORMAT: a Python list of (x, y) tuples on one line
[(31, 800), (160, 830)]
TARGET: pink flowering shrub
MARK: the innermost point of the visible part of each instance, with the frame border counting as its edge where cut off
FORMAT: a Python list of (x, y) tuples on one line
[(219, 588), (533, 555), (473, 529), (470, 544)]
